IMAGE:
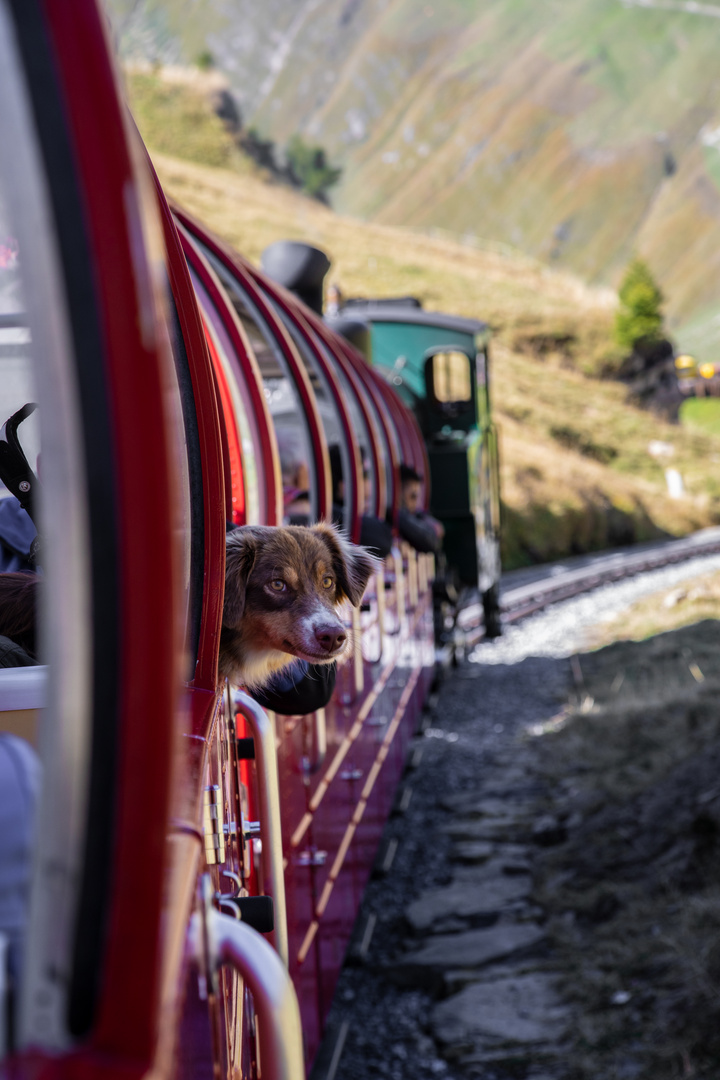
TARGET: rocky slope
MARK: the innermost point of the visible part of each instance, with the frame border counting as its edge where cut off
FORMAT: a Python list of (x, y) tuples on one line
[(578, 133)]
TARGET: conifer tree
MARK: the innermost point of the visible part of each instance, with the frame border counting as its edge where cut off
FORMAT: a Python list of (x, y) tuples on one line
[(639, 317)]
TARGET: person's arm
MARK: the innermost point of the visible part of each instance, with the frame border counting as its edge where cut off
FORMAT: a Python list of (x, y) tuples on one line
[(13, 655), (422, 535), (302, 688), (375, 535)]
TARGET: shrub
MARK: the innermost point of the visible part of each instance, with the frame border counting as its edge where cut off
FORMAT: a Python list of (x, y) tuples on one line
[(205, 60), (639, 317), (308, 168)]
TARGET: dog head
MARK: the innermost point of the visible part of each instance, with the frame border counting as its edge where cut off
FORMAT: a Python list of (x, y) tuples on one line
[(282, 589)]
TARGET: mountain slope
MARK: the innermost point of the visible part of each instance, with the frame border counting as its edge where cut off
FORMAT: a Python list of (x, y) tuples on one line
[(555, 421), (577, 133)]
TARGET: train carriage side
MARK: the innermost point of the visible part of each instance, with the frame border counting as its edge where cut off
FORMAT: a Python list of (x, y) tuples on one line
[(92, 731), (338, 768), (170, 380)]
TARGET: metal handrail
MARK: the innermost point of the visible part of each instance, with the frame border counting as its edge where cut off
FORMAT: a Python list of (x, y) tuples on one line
[(377, 592), (217, 939), (318, 742), (412, 573), (269, 813)]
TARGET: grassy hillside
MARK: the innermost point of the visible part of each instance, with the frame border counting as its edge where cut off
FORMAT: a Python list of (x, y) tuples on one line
[(173, 110), (576, 471), (577, 133)]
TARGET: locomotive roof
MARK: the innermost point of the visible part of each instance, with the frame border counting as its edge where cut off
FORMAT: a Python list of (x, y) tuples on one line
[(404, 313)]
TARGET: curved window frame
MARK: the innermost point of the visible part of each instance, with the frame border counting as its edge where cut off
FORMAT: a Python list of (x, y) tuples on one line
[(291, 311), (247, 378), (238, 269), (115, 646)]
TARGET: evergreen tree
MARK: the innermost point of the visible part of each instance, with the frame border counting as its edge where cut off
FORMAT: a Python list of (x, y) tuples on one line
[(639, 317)]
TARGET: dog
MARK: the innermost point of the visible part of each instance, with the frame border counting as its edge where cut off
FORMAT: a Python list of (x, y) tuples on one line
[(282, 588)]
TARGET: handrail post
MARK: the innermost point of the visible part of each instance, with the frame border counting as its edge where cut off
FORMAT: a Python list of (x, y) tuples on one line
[(399, 586), (380, 593), (412, 565), (217, 939), (269, 813), (358, 669)]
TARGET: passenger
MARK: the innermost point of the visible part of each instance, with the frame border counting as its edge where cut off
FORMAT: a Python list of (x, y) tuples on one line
[(334, 300), (18, 606), (421, 530), (295, 478), (296, 506), (376, 535), (20, 775), (17, 533), (19, 772)]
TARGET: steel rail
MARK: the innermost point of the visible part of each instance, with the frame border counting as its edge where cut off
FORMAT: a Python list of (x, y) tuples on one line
[(563, 584)]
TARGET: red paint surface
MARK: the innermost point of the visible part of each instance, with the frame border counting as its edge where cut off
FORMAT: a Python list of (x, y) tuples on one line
[(135, 353)]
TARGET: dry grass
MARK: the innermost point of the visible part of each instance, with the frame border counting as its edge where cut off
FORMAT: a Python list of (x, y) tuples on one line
[(633, 896), (558, 426)]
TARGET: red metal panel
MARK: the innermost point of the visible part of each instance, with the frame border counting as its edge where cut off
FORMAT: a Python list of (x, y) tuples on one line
[(211, 449), (234, 450), (151, 625)]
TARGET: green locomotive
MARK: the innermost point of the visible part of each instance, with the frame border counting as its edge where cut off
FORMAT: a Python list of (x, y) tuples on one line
[(439, 365)]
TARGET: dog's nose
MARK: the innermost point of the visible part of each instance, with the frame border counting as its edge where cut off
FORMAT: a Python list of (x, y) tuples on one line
[(330, 638)]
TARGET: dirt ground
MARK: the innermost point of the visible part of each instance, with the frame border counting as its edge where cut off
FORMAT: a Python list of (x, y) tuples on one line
[(632, 896)]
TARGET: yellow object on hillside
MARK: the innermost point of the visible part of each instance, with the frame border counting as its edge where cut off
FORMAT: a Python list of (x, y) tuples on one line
[(685, 366)]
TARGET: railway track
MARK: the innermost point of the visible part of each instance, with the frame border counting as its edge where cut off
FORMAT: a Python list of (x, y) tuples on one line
[(524, 592)]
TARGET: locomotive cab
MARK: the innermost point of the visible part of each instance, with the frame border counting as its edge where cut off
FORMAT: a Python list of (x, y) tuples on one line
[(439, 365)]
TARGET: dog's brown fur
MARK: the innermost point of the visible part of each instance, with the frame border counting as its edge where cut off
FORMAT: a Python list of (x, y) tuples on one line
[(282, 586)]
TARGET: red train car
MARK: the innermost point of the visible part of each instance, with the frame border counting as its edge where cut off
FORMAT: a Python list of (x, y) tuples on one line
[(156, 823)]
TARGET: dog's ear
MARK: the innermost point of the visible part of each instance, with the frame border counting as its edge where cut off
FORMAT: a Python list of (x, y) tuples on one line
[(241, 547), (353, 565)]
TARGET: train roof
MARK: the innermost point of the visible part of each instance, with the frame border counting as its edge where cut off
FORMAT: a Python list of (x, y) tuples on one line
[(374, 312)]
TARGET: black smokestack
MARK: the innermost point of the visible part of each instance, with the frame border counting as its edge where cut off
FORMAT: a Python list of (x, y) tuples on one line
[(300, 268)]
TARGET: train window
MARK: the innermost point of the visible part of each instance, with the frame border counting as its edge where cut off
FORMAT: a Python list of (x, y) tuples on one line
[(300, 494), (249, 499), (341, 464), (451, 381), (191, 510), (365, 418), (368, 494)]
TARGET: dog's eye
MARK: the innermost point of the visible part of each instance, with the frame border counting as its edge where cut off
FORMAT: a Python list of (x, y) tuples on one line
[(327, 582), (278, 585)]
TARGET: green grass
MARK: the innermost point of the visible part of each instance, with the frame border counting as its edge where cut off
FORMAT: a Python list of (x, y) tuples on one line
[(701, 414)]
